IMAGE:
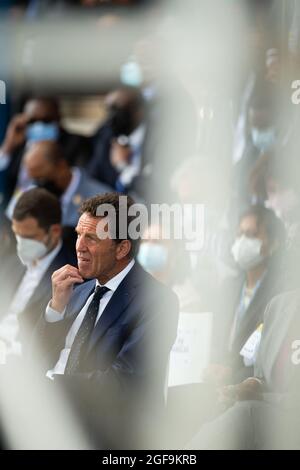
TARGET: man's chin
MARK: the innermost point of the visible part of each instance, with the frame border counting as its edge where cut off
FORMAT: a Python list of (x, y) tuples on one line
[(85, 273)]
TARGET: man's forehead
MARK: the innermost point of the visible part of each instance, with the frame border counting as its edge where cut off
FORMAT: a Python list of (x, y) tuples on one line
[(29, 223), (88, 222)]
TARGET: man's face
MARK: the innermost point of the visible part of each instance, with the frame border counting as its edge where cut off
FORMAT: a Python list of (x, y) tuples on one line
[(250, 228), (29, 228), (97, 258)]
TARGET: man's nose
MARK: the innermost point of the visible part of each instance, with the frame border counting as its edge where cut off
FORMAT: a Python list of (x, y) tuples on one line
[(80, 244)]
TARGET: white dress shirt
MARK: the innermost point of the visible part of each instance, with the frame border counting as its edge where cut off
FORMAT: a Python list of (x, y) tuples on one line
[(9, 326), (52, 316)]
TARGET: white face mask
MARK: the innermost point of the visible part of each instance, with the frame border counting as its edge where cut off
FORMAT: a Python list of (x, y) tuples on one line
[(30, 250), (131, 73), (263, 139), (247, 252)]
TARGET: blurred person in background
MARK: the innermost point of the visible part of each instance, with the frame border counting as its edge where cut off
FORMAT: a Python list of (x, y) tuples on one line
[(39, 121), (262, 412), (168, 261), (283, 196), (26, 275), (274, 180), (119, 143), (47, 166), (198, 181), (258, 252), (282, 186), (262, 137), (171, 117), (264, 66), (238, 313)]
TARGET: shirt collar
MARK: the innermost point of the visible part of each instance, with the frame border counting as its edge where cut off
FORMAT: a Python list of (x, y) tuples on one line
[(136, 137), (256, 287), (113, 283)]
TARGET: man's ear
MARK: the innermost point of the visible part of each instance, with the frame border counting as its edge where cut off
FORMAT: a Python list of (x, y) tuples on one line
[(56, 230), (123, 249)]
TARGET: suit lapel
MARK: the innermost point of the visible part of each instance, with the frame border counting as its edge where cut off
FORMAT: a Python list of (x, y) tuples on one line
[(78, 301), (117, 305)]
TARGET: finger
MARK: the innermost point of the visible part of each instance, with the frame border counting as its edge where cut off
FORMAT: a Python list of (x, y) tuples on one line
[(66, 266), (68, 282), (21, 120), (66, 276), (65, 270)]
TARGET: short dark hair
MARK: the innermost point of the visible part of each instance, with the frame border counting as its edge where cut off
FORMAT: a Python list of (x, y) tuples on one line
[(92, 204), (39, 204), (51, 101), (52, 151), (274, 226)]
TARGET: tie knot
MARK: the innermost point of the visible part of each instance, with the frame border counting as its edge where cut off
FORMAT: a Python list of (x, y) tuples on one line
[(100, 291)]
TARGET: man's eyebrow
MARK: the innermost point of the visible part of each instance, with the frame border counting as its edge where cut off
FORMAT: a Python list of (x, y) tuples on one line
[(90, 234)]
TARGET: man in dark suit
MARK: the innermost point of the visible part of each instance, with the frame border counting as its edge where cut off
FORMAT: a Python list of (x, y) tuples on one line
[(119, 143), (40, 121), (143, 141), (25, 280), (111, 336), (48, 167)]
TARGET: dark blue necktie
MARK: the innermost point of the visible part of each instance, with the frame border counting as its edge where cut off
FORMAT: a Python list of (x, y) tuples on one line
[(81, 339)]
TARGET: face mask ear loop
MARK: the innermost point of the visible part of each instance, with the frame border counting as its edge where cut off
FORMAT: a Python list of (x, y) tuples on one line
[(48, 245)]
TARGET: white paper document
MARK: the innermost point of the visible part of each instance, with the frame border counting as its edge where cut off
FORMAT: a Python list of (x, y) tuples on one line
[(191, 350)]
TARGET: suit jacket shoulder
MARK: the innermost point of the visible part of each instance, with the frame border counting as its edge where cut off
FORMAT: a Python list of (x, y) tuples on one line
[(90, 187)]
